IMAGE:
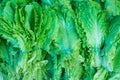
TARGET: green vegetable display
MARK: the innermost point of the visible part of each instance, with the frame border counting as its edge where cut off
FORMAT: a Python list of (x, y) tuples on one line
[(59, 39)]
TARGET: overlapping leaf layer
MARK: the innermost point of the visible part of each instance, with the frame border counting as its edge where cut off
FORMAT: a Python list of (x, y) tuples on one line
[(60, 40)]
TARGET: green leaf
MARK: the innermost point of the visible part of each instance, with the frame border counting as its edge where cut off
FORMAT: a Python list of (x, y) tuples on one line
[(112, 39)]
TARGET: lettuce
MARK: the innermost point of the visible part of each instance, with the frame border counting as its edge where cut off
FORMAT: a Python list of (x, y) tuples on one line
[(59, 40)]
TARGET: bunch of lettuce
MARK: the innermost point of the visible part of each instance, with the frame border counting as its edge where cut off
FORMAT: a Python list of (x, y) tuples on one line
[(60, 40)]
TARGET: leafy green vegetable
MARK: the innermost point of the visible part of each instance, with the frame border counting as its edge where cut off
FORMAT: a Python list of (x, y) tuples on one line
[(59, 40)]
